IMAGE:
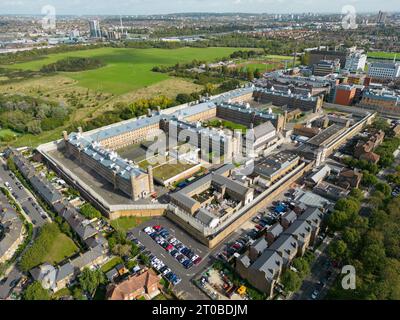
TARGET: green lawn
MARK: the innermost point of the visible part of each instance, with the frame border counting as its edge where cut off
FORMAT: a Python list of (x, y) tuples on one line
[(167, 171), (127, 69), (216, 123), (383, 55), (111, 264), (126, 223), (50, 246), (7, 135), (62, 248)]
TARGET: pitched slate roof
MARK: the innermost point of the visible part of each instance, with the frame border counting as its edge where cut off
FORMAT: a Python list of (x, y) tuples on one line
[(45, 189), (270, 262)]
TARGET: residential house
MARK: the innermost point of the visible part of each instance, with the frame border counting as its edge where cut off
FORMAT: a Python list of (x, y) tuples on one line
[(143, 285), (274, 232), (349, 179)]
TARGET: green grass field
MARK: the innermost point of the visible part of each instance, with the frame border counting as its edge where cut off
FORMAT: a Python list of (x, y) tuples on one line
[(167, 171), (384, 55), (126, 69), (126, 223), (111, 264)]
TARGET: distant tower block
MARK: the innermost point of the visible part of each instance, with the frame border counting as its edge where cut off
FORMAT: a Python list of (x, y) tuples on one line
[(151, 182)]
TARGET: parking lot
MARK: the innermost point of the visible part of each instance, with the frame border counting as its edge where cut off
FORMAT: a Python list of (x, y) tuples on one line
[(185, 285)]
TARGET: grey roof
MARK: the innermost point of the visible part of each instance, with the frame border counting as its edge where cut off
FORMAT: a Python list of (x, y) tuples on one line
[(65, 271), (263, 129), (88, 257), (230, 184), (11, 223), (260, 245), (206, 217), (45, 189), (109, 159), (320, 174), (184, 199), (112, 274), (23, 165), (270, 262), (46, 274), (300, 229), (313, 216), (285, 245), (77, 222), (311, 199), (276, 229), (269, 165), (224, 168), (245, 260), (290, 216)]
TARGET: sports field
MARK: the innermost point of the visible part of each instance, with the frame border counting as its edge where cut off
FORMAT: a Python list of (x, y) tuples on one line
[(126, 69), (384, 55)]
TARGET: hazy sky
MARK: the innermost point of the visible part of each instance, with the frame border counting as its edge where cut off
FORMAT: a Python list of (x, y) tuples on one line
[(133, 7)]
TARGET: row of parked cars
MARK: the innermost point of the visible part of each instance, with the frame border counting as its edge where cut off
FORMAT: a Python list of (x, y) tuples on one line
[(180, 252), (156, 263), (162, 268)]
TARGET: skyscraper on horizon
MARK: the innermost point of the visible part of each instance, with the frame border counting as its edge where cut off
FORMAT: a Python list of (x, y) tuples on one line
[(95, 31), (381, 17)]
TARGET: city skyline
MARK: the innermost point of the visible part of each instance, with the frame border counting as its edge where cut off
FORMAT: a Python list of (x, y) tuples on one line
[(154, 7)]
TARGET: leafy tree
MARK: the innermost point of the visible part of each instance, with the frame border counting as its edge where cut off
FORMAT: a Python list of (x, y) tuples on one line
[(89, 212), (348, 205), (302, 266), (337, 220), (357, 194), (368, 179), (337, 250), (35, 291), (89, 280), (373, 257), (384, 188), (77, 294), (182, 98), (291, 281), (351, 236), (122, 250)]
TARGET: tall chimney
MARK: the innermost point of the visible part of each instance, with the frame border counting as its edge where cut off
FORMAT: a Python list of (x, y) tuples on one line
[(80, 130)]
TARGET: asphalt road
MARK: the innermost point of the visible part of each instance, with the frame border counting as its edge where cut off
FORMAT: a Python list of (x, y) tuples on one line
[(22, 196), (6, 288), (32, 210), (319, 273)]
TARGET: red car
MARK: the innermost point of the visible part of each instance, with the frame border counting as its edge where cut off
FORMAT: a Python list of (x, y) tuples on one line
[(157, 228), (169, 247), (197, 261), (258, 227)]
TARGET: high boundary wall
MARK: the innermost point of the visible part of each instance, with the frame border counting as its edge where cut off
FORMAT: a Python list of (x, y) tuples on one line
[(259, 203)]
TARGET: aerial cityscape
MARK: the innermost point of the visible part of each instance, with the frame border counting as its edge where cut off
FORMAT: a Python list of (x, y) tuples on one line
[(227, 150)]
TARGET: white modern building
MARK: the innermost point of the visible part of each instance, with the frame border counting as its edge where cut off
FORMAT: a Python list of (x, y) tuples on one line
[(355, 61), (95, 31), (384, 70)]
